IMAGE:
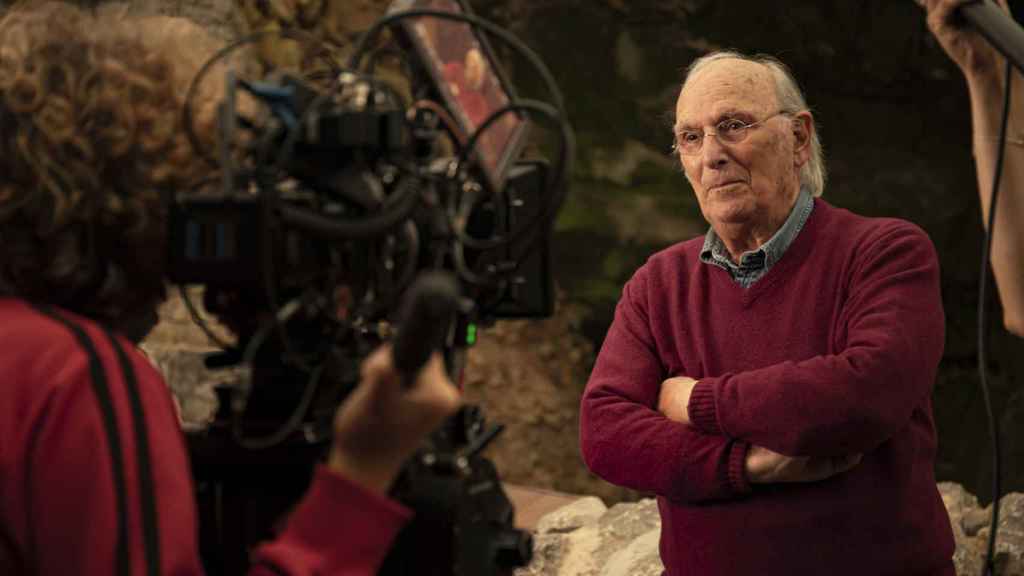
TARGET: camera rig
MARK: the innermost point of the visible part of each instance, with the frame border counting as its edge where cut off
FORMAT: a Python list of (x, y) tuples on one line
[(331, 201)]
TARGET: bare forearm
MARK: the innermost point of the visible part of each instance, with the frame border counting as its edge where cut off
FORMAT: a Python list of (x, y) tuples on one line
[(1008, 239)]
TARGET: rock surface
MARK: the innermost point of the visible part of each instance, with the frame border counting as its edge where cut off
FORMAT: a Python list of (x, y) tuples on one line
[(580, 540), (623, 541)]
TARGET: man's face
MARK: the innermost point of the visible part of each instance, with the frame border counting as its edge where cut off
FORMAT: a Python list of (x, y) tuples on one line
[(753, 182)]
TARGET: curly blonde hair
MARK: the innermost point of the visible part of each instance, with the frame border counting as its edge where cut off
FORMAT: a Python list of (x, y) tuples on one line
[(90, 137)]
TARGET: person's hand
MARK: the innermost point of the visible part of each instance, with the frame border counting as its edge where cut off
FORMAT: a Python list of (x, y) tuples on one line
[(764, 466), (381, 424), (674, 397), (971, 52)]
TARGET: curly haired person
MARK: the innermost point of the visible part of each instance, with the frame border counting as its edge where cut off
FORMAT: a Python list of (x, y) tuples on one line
[(94, 477)]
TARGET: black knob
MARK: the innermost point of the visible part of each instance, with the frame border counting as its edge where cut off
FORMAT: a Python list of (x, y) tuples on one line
[(426, 316), (512, 548)]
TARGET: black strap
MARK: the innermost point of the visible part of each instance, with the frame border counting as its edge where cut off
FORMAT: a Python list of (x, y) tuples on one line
[(102, 390), (146, 492)]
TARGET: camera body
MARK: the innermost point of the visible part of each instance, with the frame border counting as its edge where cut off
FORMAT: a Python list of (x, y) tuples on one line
[(330, 203)]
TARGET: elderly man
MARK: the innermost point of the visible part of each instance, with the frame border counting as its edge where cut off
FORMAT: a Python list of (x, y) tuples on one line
[(770, 382)]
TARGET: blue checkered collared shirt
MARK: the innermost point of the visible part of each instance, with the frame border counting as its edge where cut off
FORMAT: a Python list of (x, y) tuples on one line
[(756, 263)]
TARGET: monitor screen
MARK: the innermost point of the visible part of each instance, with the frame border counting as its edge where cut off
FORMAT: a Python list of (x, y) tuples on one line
[(464, 70)]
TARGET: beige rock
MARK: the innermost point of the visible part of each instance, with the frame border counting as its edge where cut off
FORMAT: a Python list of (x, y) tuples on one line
[(624, 540), (580, 513), (639, 558)]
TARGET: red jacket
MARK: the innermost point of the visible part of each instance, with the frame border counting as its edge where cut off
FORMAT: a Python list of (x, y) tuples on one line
[(59, 505), (833, 352)]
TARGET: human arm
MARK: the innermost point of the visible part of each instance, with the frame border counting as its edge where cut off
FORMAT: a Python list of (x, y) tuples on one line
[(626, 441), (891, 337), (629, 437), (340, 527), (984, 72), (345, 525), (761, 465)]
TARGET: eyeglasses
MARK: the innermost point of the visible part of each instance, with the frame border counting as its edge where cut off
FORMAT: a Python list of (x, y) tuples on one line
[(728, 131)]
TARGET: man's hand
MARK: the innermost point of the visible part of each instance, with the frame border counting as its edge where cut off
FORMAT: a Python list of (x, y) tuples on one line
[(971, 52), (674, 398), (764, 466), (381, 424)]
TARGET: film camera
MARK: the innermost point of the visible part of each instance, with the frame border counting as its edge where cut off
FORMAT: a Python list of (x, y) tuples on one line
[(333, 199)]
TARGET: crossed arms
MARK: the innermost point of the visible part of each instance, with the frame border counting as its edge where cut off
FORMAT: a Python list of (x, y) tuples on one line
[(708, 438)]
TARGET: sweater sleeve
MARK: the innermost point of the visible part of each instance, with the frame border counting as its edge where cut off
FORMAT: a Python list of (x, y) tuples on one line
[(854, 400), (338, 529), (626, 441)]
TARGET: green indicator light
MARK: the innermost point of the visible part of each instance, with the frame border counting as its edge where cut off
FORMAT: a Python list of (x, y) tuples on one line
[(470, 334)]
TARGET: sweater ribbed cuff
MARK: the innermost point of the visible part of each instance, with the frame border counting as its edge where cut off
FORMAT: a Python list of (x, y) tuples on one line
[(737, 471), (337, 527), (701, 408)]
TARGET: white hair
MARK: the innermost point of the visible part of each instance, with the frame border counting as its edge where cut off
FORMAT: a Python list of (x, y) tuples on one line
[(790, 99)]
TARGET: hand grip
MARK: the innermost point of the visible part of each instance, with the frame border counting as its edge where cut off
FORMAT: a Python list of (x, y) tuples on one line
[(424, 321), (998, 27)]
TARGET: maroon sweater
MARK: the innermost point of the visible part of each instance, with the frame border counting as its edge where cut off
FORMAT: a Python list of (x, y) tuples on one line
[(58, 503), (833, 352)]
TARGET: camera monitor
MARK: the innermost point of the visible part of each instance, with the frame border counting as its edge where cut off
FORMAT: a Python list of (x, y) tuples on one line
[(469, 81)]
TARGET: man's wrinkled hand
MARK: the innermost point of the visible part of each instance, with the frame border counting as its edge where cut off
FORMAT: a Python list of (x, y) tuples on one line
[(764, 466), (674, 398)]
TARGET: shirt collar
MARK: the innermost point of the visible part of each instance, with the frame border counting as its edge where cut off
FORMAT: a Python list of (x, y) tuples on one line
[(715, 252)]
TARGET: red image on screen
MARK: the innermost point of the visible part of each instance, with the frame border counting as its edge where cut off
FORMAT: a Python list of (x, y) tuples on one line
[(469, 82)]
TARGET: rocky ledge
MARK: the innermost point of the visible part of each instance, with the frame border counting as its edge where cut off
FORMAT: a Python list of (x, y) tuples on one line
[(585, 538)]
